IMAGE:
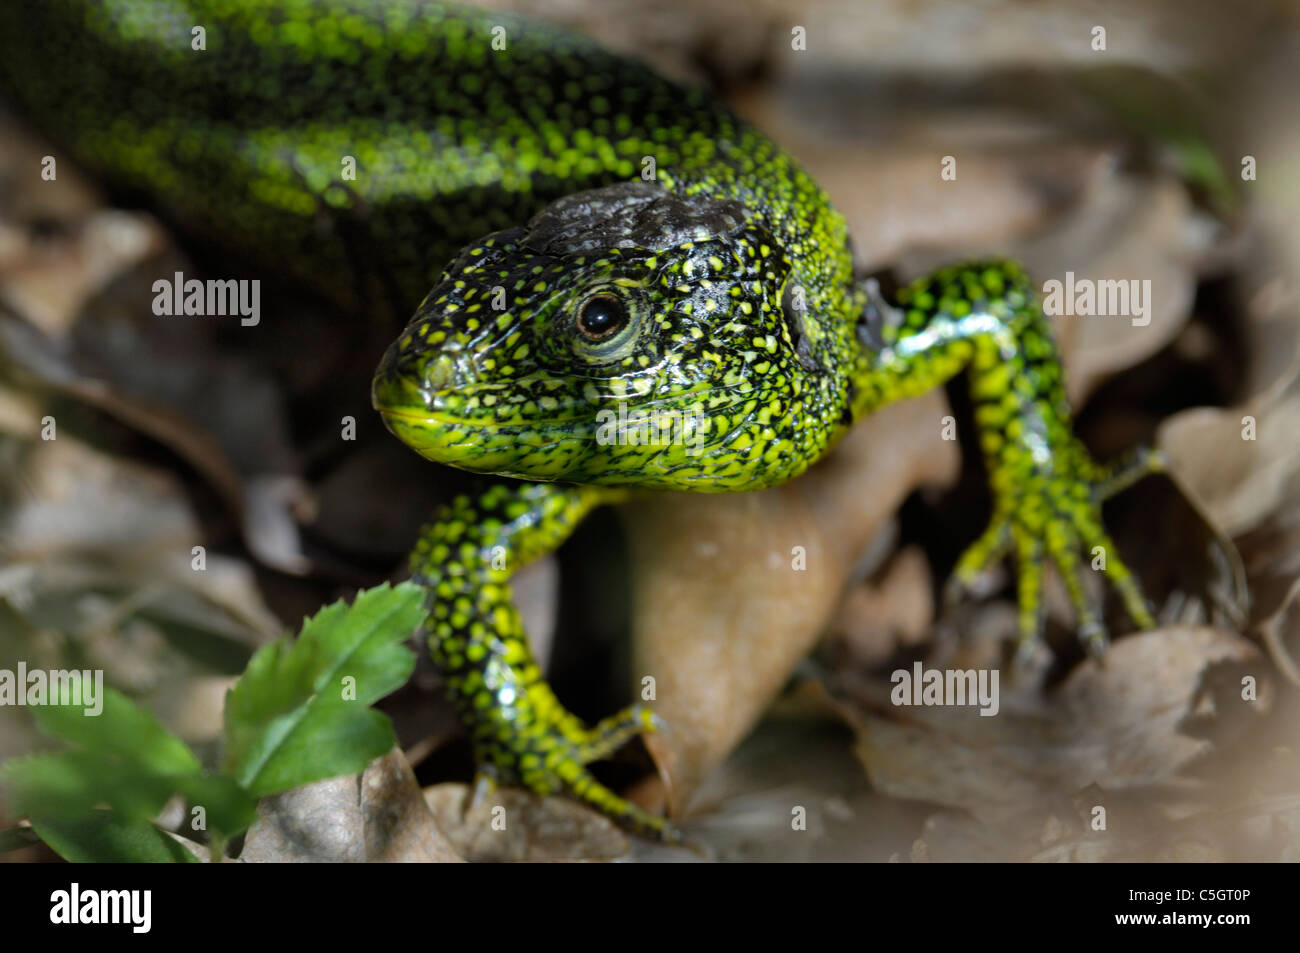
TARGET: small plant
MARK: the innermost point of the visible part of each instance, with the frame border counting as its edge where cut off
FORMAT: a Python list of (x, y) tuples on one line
[(299, 713)]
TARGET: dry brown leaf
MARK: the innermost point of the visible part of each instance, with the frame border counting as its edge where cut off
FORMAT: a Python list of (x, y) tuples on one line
[(262, 502), (76, 501), (511, 824), (904, 204), (50, 279), (1243, 463), (1129, 230), (793, 791), (50, 285), (1239, 480), (877, 617), (377, 816), (1118, 723)]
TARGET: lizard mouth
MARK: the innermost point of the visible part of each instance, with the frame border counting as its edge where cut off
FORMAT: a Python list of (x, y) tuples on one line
[(534, 427), (442, 426), (531, 451)]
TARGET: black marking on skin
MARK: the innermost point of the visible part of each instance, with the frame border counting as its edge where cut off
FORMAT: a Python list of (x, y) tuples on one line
[(851, 394), (629, 215)]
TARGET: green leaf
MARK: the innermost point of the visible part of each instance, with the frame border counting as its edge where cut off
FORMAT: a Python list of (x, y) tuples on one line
[(122, 728), (72, 783), (228, 808), (106, 838), (327, 742), (287, 720), (126, 759)]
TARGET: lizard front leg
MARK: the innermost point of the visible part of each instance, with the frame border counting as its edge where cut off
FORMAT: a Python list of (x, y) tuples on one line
[(1047, 491), (520, 732)]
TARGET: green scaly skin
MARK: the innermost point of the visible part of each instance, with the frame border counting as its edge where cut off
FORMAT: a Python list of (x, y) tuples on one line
[(720, 293)]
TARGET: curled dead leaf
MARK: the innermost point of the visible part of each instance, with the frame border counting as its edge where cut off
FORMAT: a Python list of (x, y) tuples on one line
[(1241, 463), (1145, 237), (730, 591)]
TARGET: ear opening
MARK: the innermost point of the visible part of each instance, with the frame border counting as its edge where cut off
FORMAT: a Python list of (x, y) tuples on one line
[(794, 309), (877, 313)]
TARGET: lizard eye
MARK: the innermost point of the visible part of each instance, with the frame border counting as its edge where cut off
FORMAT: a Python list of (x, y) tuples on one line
[(601, 317)]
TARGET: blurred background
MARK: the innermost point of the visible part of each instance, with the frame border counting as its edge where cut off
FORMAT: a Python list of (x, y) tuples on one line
[(1165, 147)]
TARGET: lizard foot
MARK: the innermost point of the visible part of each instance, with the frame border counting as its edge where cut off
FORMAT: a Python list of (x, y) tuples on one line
[(1055, 516), (551, 756)]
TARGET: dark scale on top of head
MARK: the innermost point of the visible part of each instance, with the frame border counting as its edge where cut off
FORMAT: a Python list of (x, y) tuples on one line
[(628, 300)]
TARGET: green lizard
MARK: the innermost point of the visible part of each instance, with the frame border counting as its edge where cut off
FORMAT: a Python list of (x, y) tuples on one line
[(619, 244)]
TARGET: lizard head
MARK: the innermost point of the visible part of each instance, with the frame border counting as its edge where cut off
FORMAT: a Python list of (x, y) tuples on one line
[(624, 336)]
